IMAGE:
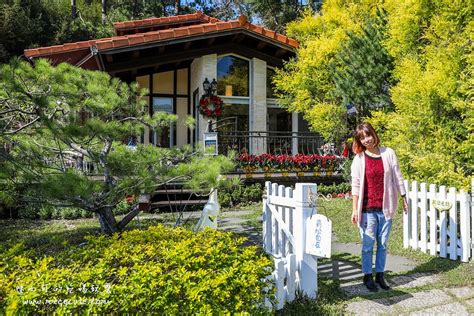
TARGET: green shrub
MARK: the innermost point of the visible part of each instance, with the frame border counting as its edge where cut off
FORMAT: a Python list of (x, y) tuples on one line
[(28, 212), (240, 194), (123, 207), (159, 270), (334, 188), (50, 212)]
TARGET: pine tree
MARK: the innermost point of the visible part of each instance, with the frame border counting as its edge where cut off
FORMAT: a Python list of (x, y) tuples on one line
[(362, 70), (55, 118)]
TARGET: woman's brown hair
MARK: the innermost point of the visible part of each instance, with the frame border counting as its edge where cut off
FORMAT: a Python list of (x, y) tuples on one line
[(362, 130)]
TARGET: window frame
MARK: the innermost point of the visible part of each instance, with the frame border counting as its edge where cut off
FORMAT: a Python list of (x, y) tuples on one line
[(236, 98)]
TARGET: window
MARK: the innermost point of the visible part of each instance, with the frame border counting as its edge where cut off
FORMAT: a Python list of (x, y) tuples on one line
[(270, 85), (165, 136), (232, 76), (235, 117), (279, 120)]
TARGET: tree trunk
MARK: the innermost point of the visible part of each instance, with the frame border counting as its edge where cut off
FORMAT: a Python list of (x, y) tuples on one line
[(73, 9), (177, 6), (107, 221), (128, 218), (104, 11)]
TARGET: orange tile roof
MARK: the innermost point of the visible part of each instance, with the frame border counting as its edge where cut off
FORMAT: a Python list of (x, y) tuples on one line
[(153, 22), (161, 35)]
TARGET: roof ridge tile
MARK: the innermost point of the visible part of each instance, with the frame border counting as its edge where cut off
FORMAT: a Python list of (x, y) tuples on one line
[(165, 19), (164, 34)]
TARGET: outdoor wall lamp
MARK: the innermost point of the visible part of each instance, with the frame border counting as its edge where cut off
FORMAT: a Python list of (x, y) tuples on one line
[(214, 86), (210, 88), (206, 85)]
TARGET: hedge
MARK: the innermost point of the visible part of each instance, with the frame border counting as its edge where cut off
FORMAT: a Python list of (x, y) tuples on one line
[(159, 270)]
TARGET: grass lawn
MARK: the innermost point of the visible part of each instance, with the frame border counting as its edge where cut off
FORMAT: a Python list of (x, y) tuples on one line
[(452, 273), (50, 237), (47, 237), (330, 299)]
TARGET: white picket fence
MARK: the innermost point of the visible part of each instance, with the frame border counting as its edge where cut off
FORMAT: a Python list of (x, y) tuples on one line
[(440, 221), (285, 212)]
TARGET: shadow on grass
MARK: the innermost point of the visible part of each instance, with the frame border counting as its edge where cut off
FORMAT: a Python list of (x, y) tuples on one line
[(49, 238), (437, 265), (433, 273), (330, 301), (51, 243)]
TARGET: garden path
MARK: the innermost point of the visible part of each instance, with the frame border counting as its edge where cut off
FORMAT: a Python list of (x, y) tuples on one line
[(411, 293)]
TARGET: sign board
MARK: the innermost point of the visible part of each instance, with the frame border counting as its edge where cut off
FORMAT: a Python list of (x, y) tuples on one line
[(441, 205), (318, 236), (210, 143)]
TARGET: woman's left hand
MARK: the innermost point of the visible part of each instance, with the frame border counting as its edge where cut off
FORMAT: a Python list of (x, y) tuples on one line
[(405, 205)]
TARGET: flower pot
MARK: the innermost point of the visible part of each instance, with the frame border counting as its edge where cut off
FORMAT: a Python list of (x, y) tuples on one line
[(267, 172), (249, 171), (299, 172)]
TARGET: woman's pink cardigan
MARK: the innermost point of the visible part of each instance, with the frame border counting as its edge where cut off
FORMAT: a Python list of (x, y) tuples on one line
[(392, 181)]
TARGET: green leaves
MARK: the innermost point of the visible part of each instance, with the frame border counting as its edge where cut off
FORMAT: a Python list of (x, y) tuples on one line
[(406, 67), (59, 120), (159, 270), (432, 127)]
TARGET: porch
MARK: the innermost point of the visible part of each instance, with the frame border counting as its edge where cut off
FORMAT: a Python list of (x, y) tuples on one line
[(282, 140), (275, 143)]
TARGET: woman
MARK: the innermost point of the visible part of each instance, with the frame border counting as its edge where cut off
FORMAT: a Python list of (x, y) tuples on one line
[(376, 182)]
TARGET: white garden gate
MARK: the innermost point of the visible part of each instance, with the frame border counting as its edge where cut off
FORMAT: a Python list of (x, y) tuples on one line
[(439, 221), (285, 216)]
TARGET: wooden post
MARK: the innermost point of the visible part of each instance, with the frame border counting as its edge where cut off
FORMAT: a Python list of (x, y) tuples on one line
[(433, 222), (267, 219), (465, 221), (423, 217), (442, 230), (291, 283), (307, 266), (275, 231), (453, 225), (281, 234), (280, 282), (406, 218), (288, 220), (414, 215), (471, 211)]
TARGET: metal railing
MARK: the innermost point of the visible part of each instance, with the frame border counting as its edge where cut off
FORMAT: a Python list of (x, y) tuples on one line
[(73, 162), (277, 143)]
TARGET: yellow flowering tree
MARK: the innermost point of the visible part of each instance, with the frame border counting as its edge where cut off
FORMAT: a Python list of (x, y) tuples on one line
[(432, 127), (421, 53)]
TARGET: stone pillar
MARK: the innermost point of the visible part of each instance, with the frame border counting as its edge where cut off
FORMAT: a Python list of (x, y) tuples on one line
[(202, 68), (258, 105), (294, 133)]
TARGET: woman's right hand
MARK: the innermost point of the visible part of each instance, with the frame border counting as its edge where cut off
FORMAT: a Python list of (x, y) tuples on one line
[(355, 218)]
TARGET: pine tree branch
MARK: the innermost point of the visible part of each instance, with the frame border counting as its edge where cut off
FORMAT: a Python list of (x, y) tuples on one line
[(130, 215), (22, 127)]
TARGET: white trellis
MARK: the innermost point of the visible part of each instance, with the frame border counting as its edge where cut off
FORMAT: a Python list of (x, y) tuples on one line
[(285, 214), (440, 221)]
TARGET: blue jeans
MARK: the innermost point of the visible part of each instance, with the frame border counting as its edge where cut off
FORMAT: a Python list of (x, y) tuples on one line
[(373, 226)]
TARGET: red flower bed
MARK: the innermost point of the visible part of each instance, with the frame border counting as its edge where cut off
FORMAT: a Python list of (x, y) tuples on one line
[(298, 162)]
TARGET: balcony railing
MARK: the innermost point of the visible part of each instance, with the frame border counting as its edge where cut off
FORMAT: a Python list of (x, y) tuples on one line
[(277, 143)]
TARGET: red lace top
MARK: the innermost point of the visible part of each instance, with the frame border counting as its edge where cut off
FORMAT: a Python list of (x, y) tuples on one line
[(373, 193)]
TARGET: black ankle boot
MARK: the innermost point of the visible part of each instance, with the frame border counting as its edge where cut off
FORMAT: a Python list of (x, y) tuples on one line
[(369, 283), (379, 279)]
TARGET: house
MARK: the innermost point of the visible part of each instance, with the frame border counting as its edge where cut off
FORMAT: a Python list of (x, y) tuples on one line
[(174, 56)]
